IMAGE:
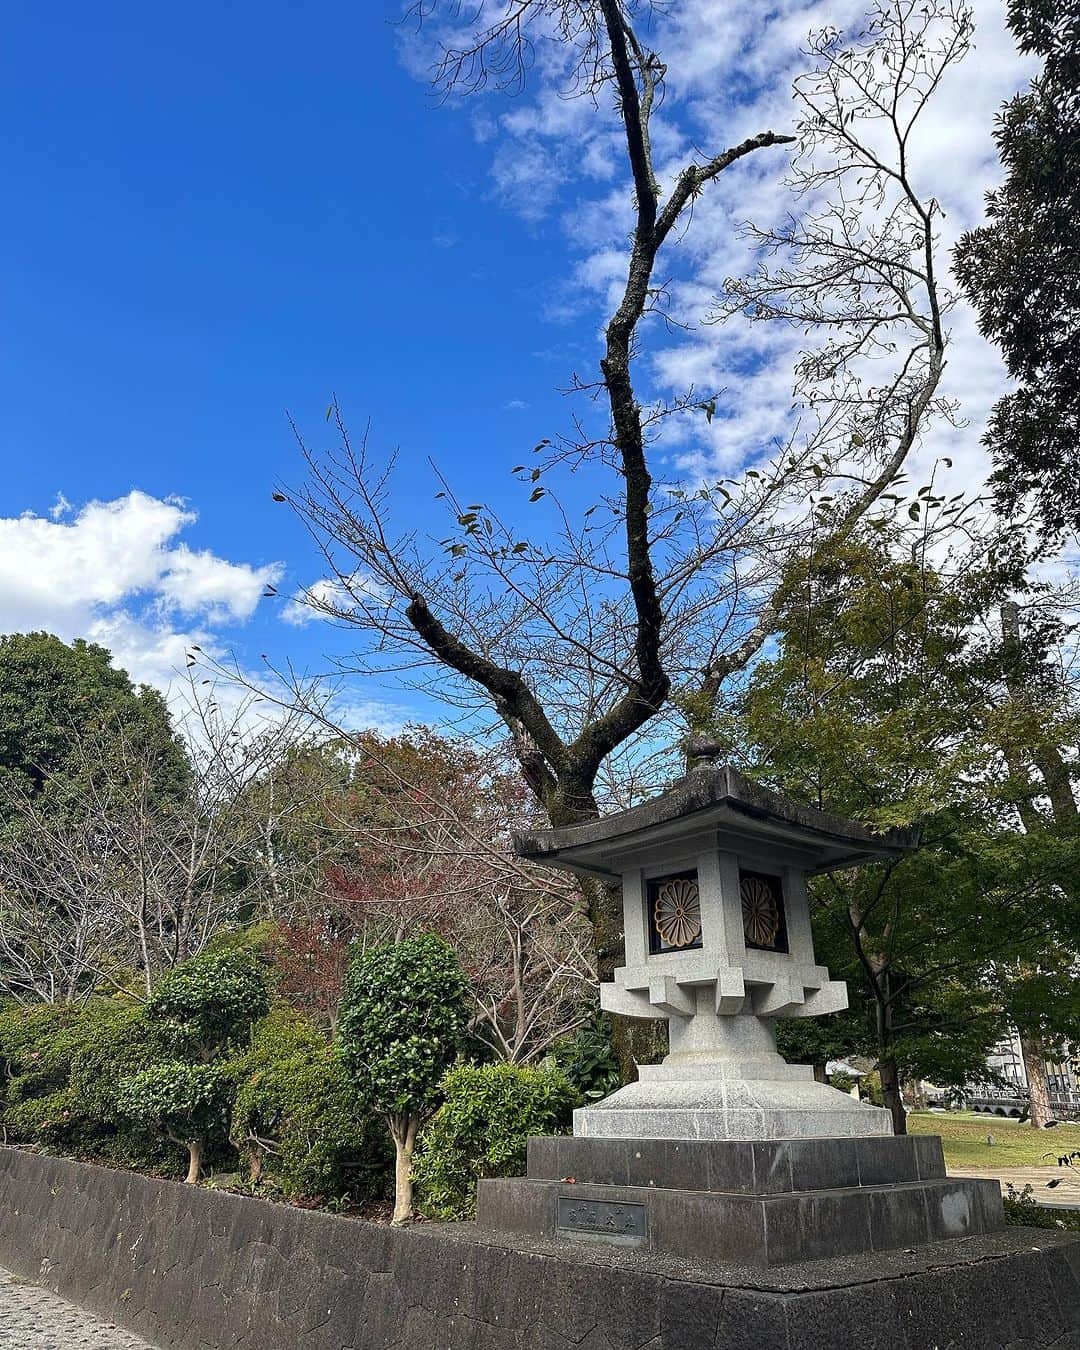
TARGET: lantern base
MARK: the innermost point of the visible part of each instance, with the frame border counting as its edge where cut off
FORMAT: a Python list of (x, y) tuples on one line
[(690, 1102), (725, 1080)]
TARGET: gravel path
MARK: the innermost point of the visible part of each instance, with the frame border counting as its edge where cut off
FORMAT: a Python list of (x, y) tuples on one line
[(34, 1319)]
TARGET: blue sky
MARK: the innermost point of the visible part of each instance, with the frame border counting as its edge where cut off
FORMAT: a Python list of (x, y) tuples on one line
[(219, 213)]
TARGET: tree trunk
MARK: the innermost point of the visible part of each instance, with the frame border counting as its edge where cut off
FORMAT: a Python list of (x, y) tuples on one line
[(195, 1150), (820, 1076), (1034, 1053), (917, 1095), (603, 904), (255, 1163), (403, 1131), (892, 1094)]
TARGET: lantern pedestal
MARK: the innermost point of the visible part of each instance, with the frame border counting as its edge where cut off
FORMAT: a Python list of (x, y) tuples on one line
[(756, 1202), (725, 1080)]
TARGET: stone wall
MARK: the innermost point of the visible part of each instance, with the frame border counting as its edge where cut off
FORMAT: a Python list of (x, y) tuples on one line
[(203, 1270)]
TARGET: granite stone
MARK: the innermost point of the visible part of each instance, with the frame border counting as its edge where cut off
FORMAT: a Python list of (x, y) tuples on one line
[(753, 1167), (765, 1229)]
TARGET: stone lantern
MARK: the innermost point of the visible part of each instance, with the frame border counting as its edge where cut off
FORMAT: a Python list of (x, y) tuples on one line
[(724, 1151), (718, 942)]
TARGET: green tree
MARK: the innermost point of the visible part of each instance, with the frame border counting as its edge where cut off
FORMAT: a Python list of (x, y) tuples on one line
[(1021, 270), (401, 1026), (1034, 719), (55, 697), (879, 705), (188, 1103), (202, 1012)]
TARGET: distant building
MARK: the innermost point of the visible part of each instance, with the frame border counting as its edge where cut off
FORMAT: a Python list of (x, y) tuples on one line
[(1007, 1062)]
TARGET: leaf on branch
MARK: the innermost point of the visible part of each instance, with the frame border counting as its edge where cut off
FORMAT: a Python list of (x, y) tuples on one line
[(279, 497), (537, 493)]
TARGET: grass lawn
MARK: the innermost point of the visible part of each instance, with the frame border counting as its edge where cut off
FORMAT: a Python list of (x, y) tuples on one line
[(1016, 1144)]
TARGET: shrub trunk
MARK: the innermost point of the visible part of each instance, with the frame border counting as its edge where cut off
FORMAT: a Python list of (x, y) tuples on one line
[(403, 1130)]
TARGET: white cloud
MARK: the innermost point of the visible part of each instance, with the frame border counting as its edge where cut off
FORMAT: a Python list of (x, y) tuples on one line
[(528, 175), (116, 573), (204, 583), (329, 596)]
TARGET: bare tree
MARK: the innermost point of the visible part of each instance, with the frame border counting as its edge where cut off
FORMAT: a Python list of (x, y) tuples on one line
[(623, 628), (124, 881), (530, 968), (857, 269), (431, 850)]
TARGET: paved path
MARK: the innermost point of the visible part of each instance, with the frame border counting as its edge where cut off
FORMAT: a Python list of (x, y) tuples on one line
[(1066, 1192), (33, 1319)]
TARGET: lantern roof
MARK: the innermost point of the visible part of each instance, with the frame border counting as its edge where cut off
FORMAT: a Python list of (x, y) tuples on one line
[(720, 799)]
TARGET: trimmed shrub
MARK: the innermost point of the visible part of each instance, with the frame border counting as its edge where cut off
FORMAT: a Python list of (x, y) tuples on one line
[(188, 1103), (403, 1017), (482, 1129), (37, 1044), (294, 1117), (63, 1065), (205, 1004)]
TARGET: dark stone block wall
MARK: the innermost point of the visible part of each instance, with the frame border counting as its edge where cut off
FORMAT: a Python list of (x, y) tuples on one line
[(204, 1270)]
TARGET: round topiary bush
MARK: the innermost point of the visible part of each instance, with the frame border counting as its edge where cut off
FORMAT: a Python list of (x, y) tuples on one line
[(295, 1119), (204, 1004)]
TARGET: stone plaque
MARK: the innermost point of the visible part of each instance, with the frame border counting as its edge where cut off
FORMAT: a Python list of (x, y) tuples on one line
[(601, 1218)]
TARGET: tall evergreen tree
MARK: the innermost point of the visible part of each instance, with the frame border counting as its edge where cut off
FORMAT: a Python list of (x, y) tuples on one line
[(56, 700), (884, 701), (1021, 270)]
